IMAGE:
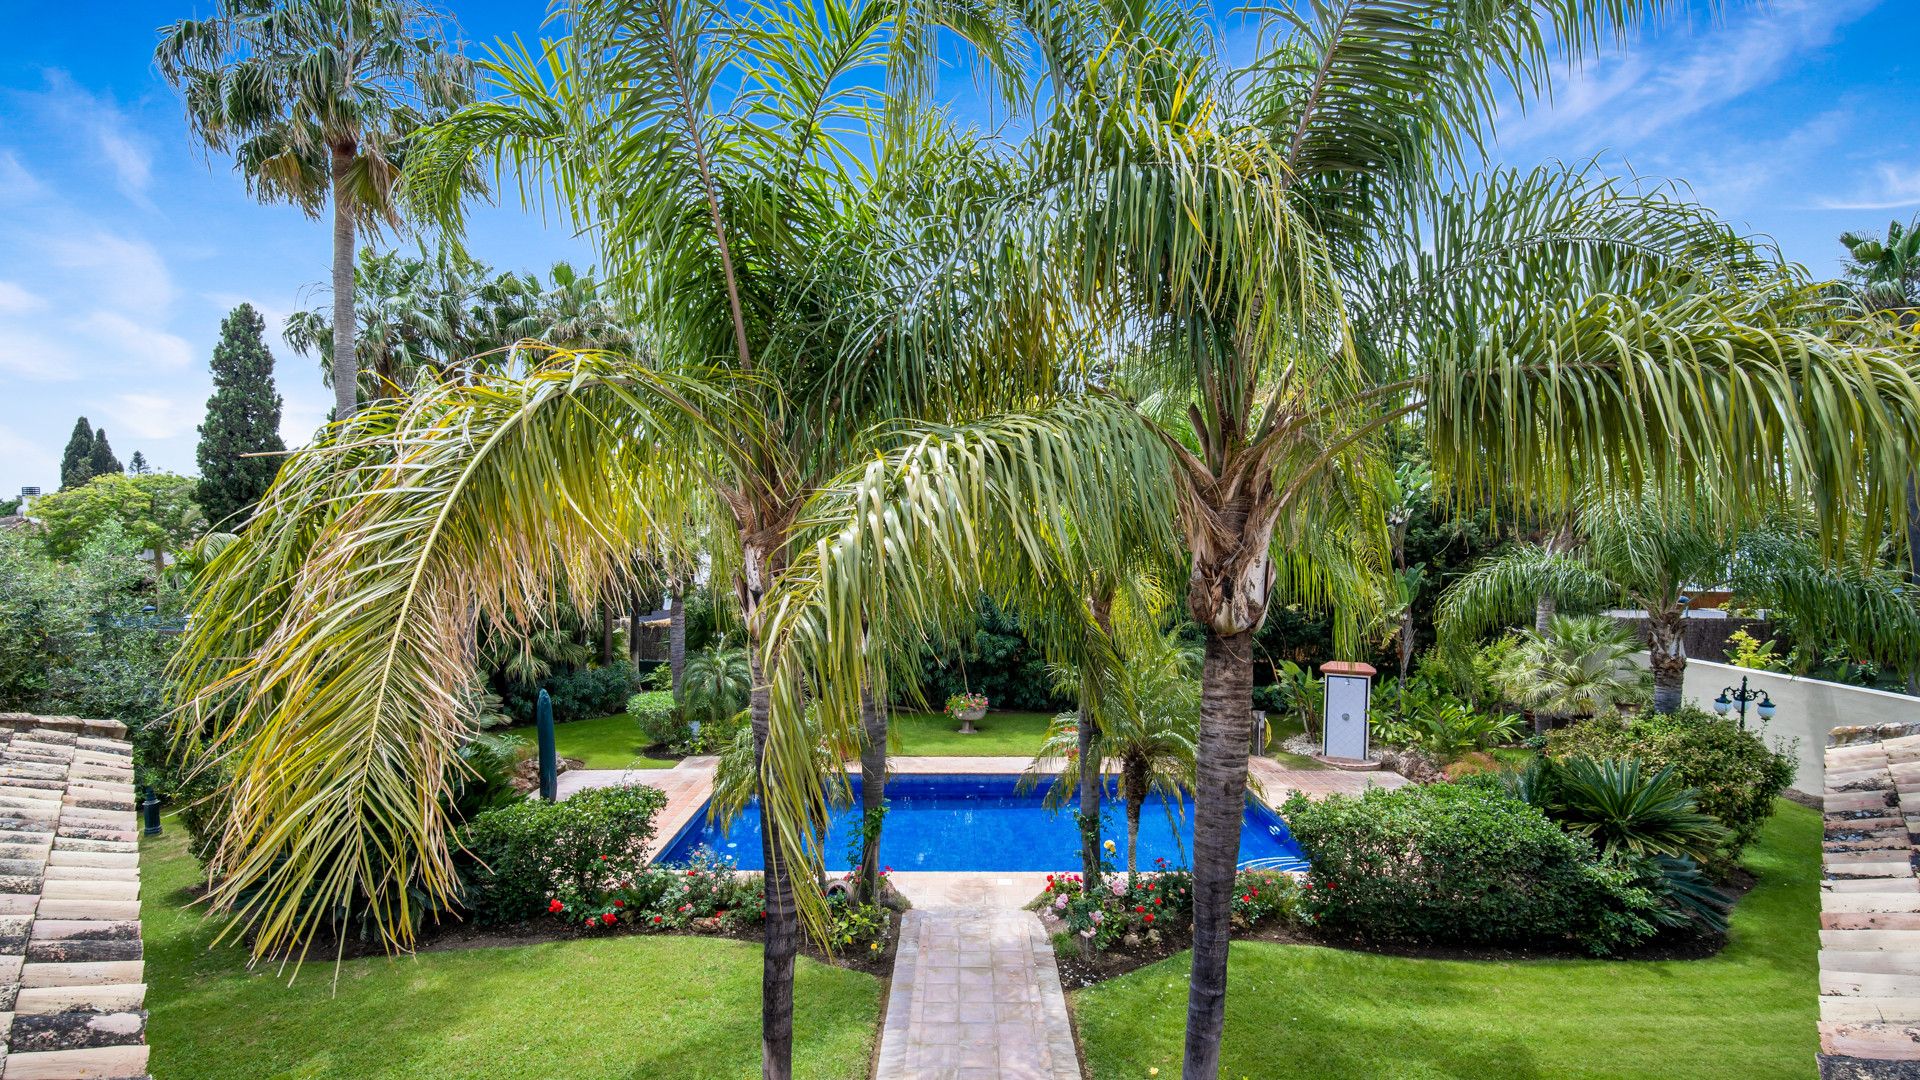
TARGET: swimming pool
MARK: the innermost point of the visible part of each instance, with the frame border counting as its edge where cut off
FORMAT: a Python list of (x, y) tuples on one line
[(980, 822)]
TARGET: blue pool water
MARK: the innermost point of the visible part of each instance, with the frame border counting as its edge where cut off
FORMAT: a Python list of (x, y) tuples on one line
[(984, 823)]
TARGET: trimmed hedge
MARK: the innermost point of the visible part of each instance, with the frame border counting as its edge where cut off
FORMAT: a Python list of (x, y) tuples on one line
[(522, 856), (1462, 863), (577, 695), (1734, 773)]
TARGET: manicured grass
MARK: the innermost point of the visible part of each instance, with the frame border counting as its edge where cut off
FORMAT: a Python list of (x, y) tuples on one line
[(606, 742), (1000, 734), (1744, 1014), (614, 1007)]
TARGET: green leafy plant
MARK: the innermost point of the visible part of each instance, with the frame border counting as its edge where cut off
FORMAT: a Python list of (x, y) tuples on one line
[(715, 684), (1299, 694), (1445, 729), (522, 856), (1746, 651), (657, 716), (1583, 666), (1622, 805), (1734, 774), (1462, 863)]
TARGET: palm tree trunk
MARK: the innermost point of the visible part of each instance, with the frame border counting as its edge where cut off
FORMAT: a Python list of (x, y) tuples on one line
[(783, 916), (1543, 615), (1091, 789), (873, 792), (1226, 727), (1913, 555), (1135, 771), (677, 638), (636, 611), (346, 371), (1667, 653)]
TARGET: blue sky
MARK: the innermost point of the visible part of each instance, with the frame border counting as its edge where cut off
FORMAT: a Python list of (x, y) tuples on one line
[(124, 245)]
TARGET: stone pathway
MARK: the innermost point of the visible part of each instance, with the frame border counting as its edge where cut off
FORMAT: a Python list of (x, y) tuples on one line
[(1870, 912), (976, 996), (72, 995)]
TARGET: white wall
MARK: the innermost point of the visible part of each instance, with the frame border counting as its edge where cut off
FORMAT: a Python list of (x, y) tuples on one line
[(1808, 709)]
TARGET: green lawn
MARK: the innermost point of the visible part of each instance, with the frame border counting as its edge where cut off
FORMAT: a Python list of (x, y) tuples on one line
[(615, 1007), (606, 742), (1745, 1014), (1000, 734)]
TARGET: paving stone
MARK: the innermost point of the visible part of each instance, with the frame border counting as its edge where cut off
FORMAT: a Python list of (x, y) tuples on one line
[(113, 997), (100, 1063), (75, 1030), (87, 974)]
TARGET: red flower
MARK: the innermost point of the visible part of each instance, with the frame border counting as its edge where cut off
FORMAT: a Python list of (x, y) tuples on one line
[(1149, 916), (555, 907), (656, 919), (1246, 899), (609, 918), (603, 858), (589, 922), (1156, 901), (619, 903), (684, 907), (1137, 908)]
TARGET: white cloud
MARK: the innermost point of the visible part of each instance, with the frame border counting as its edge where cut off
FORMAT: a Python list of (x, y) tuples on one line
[(134, 344), (28, 459), (15, 300), (123, 152), (17, 184), (31, 354), (1617, 101), (117, 271), (275, 315), (153, 416), (1895, 186)]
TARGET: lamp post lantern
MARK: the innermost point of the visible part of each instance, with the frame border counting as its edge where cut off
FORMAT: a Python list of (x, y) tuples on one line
[(1729, 696)]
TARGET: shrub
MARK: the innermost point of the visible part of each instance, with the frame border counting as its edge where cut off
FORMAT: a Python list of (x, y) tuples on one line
[(577, 695), (708, 893), (659, 720), (1446, 729), (1146, 903), (1463, 863), (1733, 773), (527, 854)]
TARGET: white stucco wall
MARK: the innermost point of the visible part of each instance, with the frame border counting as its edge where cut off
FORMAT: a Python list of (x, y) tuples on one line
[(1808, 709)]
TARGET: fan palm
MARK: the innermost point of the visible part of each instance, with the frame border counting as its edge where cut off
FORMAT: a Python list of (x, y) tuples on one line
[(1583, 667), (1280, 266), (1885, 270), (771, 214), (316, 100)]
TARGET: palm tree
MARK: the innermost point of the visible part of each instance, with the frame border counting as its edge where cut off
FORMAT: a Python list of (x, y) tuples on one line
[(1149, 727), (316, 100), (1280, 257), (1584, 667), (769, 213), (1636, 547), (1885, 271)]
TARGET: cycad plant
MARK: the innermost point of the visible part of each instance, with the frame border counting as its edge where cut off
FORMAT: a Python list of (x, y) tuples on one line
[(1281, 262), (1582, 667), (1621, 805), (718, 682)]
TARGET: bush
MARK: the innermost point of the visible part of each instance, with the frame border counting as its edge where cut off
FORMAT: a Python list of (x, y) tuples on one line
[(1462, 863), (527, 854), (1147, 903), (1734, 775), (577, 695), (659, 719), (708, 894)]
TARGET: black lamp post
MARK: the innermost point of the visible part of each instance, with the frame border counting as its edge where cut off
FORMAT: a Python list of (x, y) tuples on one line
[(1728, 696)]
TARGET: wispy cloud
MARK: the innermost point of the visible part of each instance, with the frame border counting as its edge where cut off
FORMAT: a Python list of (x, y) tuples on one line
[(17, 184), (15, 300), (136, 345), (114, 141), (120, 272), (27, 352), (1617, 101), (153, 416), (1894, 186)]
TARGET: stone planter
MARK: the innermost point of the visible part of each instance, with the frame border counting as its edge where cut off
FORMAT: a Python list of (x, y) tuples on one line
[(966, 718)]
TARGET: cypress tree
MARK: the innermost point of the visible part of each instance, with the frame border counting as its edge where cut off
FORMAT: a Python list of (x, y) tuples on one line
[(243, 417), (102, 460), (137, 465), (76, 465)]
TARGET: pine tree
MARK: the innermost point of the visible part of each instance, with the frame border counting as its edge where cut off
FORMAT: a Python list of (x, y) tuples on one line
[(243, 417), (138, 466), (76, 465), (102, 460)]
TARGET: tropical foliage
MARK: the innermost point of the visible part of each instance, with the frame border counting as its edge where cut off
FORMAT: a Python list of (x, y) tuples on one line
[(1583, 666)]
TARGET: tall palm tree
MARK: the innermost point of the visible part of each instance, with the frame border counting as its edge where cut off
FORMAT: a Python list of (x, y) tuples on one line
[(316, 100), (771, 214), (1640, 548), (1282, 256), (1885, 270)]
